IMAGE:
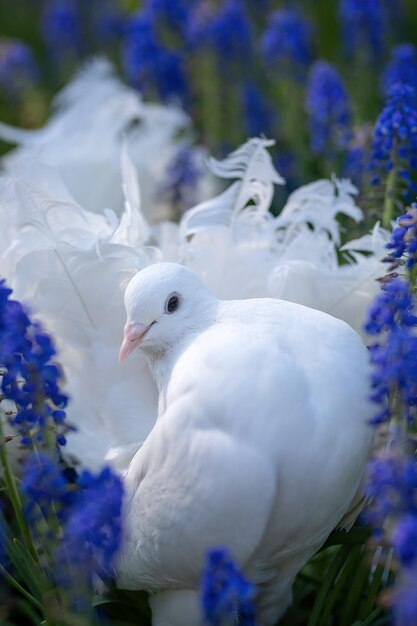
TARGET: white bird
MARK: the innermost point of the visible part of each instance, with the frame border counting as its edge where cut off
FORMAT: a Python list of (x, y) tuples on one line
[(259, 445)]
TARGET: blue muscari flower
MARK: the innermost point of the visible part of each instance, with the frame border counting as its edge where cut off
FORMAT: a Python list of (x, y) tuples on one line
[(354, 163), (18, 69), (148, 64), (45, 488), (394, 369), (61, 28), (393, 307), (227, 597), (30, 378), (231, 31), (182, 176), (227, 32), (175, 14), (287, 42), (405, 599), (363, 25), (401, 69), (391, 484), (394, 362), (329, 111), (403, 240), (257, 112), (93, 529), (404, 540), (394, 142)]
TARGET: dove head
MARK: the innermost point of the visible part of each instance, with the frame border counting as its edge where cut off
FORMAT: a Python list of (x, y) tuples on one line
[(164, 302)]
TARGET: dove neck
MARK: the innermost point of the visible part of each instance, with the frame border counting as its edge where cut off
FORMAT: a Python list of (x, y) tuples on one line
[(162, 361)]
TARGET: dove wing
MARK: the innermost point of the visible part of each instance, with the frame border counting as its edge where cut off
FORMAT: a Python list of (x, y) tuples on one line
[(192, 486)]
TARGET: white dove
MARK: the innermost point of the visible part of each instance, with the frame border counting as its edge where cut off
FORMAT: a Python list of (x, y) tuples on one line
[(259, 445)]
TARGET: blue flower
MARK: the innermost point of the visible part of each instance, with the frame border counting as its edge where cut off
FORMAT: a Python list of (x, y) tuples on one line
[(404, 237), (394, 361), (391, 308), (227, 597), (329, 111), (227, 32), (287, 42), (364, 26), (182, 176), (92, 533), (18, 69), (391, 484), (394, 143), (405, 599), (30, 378), (392, 487), (404, 540), (402, 68), (45, 488), (148, 64), (257, 111), (174, 13), (61, 28), (354, 164)]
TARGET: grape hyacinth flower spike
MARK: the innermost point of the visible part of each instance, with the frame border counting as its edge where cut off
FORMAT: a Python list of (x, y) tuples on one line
[(30, 378), (394, 149), (226, 596), (18, 69), (287, 43), (364, 27), (402, 69), (329, 112)]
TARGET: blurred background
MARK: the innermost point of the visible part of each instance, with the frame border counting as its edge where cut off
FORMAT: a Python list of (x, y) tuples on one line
[(312, 74)]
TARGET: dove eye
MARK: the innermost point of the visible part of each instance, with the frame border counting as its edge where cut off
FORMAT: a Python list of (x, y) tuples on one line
[(172, 303)]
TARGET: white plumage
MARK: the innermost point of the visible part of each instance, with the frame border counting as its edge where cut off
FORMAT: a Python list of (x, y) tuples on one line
[(91, 118), (259, 445), (72, 265)]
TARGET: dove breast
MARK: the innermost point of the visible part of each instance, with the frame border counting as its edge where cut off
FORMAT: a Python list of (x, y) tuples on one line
[(260, 446)]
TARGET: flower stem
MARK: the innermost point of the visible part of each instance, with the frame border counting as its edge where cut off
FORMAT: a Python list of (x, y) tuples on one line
[(389, 199), (14, 495)]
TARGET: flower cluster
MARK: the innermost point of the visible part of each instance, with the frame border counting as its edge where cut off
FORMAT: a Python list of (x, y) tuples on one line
[(394, 362), (230, 32), (175, 14), (61, 29), (402, 69), (258, 113), (329, 110), (404, 238), (394, 143), (45, 488), (18, 69), (227, 597), (181, 179), (149, 65), (363, 25), (392, 480), (392, 486), (89, 512), (93, 530), (30, 379), (287, 42)]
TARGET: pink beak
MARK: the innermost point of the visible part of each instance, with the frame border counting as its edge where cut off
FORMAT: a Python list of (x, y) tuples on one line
[(133, 335)]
